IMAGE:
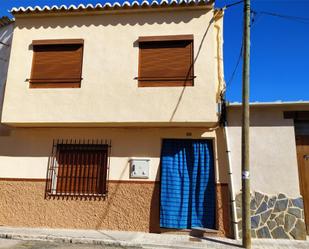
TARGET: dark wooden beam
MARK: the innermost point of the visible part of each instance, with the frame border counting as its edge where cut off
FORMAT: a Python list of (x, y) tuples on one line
[(297, 115)]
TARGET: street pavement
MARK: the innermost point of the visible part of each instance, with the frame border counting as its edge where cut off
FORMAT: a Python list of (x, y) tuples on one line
[(40, 238), (18, 244)]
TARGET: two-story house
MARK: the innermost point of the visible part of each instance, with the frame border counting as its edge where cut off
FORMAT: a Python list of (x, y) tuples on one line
[(113, 111)]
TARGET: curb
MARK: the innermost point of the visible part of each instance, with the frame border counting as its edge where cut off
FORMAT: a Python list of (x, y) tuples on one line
[(104, 242), (51, 238)]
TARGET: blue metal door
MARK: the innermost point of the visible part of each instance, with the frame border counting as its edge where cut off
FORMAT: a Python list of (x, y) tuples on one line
[(187, 184)]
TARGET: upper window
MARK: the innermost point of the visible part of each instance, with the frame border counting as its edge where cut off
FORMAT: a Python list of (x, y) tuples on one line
[(78, 169), (57, 63), (165, 61)]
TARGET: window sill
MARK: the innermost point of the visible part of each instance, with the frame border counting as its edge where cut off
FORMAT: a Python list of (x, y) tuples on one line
[(55, 85), (164, 84), (76, 195)]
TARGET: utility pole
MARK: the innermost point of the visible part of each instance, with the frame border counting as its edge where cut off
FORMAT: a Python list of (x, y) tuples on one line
[(246, 217)]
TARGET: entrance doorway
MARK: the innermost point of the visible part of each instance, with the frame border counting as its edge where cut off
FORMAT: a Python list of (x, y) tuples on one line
[(187, 184), (303, 165)]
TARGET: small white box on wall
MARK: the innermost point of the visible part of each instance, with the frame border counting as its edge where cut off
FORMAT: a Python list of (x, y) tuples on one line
[(139, 168)]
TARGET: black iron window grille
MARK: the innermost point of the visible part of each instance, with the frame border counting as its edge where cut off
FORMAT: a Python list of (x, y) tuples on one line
[(78, 168)]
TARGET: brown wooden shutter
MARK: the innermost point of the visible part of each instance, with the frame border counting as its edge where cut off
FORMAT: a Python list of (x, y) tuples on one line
[(82, 170), (57, 63), (166, 62)]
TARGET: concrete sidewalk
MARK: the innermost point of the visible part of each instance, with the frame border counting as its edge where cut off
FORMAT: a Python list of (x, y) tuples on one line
[(138, 239)]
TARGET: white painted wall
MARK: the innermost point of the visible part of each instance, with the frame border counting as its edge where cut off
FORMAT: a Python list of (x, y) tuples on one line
[(109, 92), (273, 158)]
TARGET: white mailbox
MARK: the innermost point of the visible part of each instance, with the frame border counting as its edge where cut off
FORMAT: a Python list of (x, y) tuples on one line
[(139, 168)]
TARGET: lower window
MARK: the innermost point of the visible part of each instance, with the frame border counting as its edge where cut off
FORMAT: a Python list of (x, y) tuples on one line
[(77, 169)]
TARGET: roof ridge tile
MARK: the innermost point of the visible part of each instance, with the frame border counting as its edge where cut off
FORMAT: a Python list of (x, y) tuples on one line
[(107, 4)]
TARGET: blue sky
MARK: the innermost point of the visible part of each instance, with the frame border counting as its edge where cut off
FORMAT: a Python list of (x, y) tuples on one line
[(279, 47), (279, 51)]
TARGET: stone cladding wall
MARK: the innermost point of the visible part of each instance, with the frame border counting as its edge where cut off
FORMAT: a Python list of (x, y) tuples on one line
[(276, 216)]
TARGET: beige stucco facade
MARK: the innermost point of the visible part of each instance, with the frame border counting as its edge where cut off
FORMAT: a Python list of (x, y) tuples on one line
[(131, 204), (109, 94), (273, 157), (128, 207), (24, 154), (109, 106)]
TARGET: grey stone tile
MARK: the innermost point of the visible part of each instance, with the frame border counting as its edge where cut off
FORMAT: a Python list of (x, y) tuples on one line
[(281, 196), (271, 202), (271, 224), (263, 233), (296, 212), (255, 221), (298, 202), (280, 219), (281, 205), (258, 198), (279, 233), (262, 208), (289, 222), (265, 216), (299, 231)]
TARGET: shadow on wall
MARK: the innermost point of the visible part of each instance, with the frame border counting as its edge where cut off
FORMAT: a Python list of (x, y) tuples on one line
[(154, 209), (262, 116), (223, 204), (111, 197), (154, 221), (191, 67), (6, 35), (222, 165), (126, 142), (111, 19)]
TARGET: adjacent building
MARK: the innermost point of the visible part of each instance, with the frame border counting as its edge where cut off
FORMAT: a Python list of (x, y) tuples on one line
[(6, 34), (279, 149)]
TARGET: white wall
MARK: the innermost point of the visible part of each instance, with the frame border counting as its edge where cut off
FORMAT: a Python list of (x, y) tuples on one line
[(273, 159)]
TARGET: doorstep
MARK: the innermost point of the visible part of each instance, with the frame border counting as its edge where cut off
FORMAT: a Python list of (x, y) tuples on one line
[(198, 232)]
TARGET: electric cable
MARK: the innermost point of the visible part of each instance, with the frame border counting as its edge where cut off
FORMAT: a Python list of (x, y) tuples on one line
[(287, 17), (255, 16), (233, 4), (229, 82), (4, 44)]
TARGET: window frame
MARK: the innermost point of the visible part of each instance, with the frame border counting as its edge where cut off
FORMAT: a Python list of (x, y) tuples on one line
[(55, 84), (76, 184), (167, 38)]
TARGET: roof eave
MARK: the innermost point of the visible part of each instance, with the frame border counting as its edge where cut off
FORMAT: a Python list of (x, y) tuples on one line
[(272, 104), (4, 21), (126, 6)]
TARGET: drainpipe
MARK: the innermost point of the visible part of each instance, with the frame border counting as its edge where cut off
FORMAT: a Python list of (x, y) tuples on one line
[(218, 15), (232, 191)]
